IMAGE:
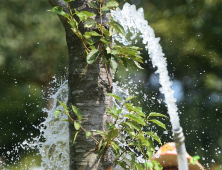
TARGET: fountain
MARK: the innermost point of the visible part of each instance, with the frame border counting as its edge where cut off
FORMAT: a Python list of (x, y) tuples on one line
[(54, 150), (133, 21)]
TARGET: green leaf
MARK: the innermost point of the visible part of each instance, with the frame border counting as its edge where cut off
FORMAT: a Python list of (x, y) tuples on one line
[(57, 112), (110, 126), (133, 160), (105, 41), (73, 23), (63, 105), (156, 165), (68, 0), (132, 125), (137, 65), (114, 63), (92, 33), (115, 96), (157, 114), (114, 133), (112, 4), (129, 98), (92, 56), (135, 109), (93, 4), (89, 22), (114, 115), (92, 40), (194, 159), (100, 144), (88, 134), (77, 125), (154, 136), (138, 166), (78, 112), (102, 133), (159, 123), (122, 164), (105, 9), (59, 10), (77, 32), (83, 15), (66, 120), (115, 146), (73, 138), (131, 133), (136, 118), (118, 27), (148, 164), (111, 31)]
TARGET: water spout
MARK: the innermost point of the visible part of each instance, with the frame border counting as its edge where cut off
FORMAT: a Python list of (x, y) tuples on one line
[(133, 21)]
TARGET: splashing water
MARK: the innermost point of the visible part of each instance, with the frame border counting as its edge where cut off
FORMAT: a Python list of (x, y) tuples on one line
[(133, 20), (55, 149)]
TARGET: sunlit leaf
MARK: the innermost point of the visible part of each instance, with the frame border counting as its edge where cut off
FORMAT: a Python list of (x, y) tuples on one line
[(66, 120), (92, 33), (159, 123), (77, 32), (83, 15), (118, 27), (129, 98), (156, 165), (57, 112), (115, 96), (133, 160), (88, 134), (68, 0), (148, 164), (89, 22), (59, 10), (100, 144), (63, 105), (114, 63), (78, 112), (137, 65), (110, 126), (114, 133), (73, 23), (105, 41), (136, 118), (138, 166), (112, 4), (154, 136), (102, 133), (138, 110), (92, 56), (77, 125), (105, 9), (115, 146), (194, 159), (157, 114), (73, 138), (132, 125)]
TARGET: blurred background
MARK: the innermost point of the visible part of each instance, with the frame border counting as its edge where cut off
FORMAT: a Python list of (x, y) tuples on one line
[(33, 51)]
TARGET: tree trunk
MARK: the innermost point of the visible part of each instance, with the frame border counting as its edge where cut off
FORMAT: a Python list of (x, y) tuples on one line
[(87, 87)]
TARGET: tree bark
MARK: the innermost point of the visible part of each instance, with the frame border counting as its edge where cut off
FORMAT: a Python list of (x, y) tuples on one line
[(87, 87)]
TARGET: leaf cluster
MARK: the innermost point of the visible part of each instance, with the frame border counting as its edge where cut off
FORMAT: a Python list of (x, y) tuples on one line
[(113, 55), (133, 127)]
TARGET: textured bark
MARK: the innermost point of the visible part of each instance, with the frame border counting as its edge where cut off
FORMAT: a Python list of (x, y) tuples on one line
[(87, 87)]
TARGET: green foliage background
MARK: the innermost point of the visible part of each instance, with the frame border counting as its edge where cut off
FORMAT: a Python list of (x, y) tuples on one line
[(33, 50)]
